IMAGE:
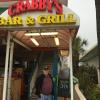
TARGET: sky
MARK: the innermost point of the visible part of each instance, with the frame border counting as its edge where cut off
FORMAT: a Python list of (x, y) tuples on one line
[(85, 9)]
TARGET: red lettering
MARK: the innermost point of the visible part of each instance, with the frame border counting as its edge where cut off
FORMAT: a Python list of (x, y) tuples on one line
[(10, 11), (42, 5), (35, 4), (58, 7), (22, 6), (27, 5), (49, 3), (19, 7)]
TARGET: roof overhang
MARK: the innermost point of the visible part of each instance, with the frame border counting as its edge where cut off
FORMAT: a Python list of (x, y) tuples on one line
[(93, 52), (65, 30)]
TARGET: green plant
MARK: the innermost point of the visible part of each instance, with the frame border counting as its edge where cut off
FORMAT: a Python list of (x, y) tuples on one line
[(87, 76), (94, 94), (78, 49)]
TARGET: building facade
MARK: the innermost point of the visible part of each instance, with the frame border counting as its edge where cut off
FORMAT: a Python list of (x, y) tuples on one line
[(91, 58)]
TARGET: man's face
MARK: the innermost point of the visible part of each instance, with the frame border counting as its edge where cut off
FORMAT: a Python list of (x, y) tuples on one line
[(46, 71)]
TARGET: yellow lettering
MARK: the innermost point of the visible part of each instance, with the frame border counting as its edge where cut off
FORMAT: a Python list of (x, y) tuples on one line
[(71, 18), (41, 19), (2, 21), (50, 19), (17, 20), (9, 21), (60, 18), (30, 20)]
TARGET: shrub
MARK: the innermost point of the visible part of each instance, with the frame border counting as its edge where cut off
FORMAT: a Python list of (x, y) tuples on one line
[(94, 94), (87, 76)]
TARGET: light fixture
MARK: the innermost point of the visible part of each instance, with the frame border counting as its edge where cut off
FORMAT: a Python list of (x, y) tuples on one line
[(35, 42), (49, 33), (56, 41), (43, 33), (32, 34)]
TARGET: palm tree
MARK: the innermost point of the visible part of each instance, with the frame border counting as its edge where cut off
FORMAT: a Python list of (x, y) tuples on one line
[(78, 49), (97, 3)]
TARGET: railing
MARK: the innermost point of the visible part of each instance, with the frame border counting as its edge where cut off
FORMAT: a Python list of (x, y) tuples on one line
[(78, 95)]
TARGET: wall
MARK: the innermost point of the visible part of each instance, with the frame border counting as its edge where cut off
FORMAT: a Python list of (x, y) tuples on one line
[(93, 62)]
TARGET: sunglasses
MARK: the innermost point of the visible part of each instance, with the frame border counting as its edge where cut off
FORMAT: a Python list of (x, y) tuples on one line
[(46, 69)]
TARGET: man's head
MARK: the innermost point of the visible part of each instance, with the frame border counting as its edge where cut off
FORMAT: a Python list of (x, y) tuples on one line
[(46, 70)]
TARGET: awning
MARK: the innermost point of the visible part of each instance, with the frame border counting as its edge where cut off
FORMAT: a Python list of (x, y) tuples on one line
[(2, 10), (64, 30)]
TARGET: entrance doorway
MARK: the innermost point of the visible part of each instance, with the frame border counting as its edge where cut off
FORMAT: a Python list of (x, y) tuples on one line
[(42, 34), (28, 59)]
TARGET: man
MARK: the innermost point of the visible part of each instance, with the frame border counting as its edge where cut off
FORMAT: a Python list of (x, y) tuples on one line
[(44, 85)]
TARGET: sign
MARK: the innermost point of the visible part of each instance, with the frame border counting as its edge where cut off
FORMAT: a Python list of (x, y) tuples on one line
[(52, 15), (41, 19), (35, 5)]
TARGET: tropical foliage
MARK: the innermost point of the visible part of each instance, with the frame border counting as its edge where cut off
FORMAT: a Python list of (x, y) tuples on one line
[(78, 49), (87, 76)]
